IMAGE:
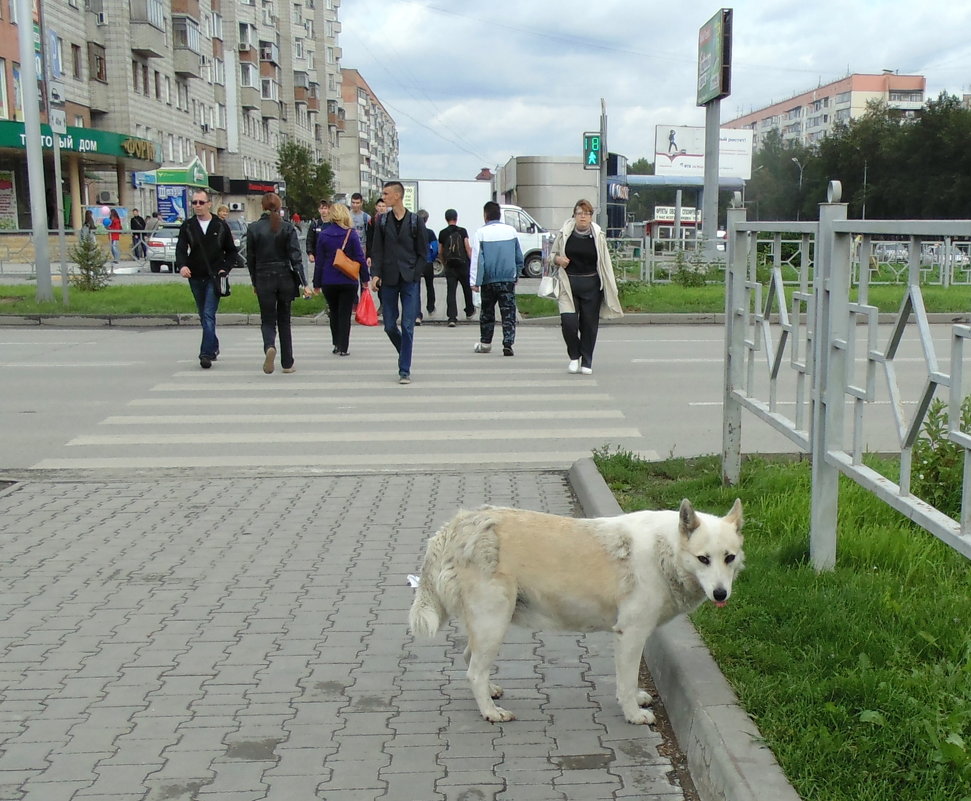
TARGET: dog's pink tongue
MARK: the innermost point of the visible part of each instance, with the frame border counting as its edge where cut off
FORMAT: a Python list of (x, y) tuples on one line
[(720, 604)]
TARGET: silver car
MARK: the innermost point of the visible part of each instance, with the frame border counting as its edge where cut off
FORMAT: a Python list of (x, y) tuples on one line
[(160, 244)]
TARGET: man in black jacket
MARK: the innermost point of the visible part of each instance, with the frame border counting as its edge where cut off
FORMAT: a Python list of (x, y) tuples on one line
[(204, 252), (398, 262), (323, 209)]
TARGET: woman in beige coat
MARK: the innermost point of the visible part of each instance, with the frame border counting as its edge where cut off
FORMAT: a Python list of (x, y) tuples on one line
[(587, 287)]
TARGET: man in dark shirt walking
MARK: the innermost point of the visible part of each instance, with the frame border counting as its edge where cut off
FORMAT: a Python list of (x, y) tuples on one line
[(398, 262)]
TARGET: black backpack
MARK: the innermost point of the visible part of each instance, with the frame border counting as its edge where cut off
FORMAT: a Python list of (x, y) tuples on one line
[(455, 247)]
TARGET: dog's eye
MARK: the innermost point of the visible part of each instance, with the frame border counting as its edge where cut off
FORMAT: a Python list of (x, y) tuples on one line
[(729, 559), (704, 560)]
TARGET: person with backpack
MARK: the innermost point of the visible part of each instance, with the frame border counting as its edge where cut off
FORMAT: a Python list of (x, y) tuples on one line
[(398, 261), (429, 276), (455, 252)]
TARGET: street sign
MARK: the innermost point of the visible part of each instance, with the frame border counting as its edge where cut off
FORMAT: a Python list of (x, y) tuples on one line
[(592, 150), (58, 120), (55, 90)]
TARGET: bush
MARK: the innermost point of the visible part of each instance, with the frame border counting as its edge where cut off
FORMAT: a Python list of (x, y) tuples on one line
[(937, 462), (688, 274), (92, 273)]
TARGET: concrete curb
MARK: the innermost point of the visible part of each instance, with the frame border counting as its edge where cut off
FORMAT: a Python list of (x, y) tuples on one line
[(172, 320), (726, 757)]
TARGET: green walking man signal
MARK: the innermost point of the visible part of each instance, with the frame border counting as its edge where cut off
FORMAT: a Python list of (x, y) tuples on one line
[(592, 150)]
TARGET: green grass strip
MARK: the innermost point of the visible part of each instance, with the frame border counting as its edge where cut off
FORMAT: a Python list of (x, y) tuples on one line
[(860, 678)]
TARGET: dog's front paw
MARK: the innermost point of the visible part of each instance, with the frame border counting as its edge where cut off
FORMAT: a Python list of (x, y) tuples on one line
[(500, 715), (495, 691), (644, 698), (640, 717)]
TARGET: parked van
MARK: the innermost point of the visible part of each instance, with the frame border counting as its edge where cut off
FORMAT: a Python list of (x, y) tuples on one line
[(531, 236)]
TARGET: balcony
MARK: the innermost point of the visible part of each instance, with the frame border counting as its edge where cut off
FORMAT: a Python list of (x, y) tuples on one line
[(270, 109), (313, 104), (147, 41), (269, 51), (185, 63), (337, 121), (301, 93), (249, 97), (99, 97)]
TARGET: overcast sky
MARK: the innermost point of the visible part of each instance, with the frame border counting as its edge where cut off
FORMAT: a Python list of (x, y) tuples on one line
[(470, 85)]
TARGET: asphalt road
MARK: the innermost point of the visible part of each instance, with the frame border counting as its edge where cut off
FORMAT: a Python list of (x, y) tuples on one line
[(136, 400)]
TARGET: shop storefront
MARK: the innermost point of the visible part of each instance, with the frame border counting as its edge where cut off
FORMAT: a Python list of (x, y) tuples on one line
[(81, 148), (174, 187)]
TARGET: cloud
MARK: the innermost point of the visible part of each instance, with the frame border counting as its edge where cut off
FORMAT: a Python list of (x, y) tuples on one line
[(471, 86)]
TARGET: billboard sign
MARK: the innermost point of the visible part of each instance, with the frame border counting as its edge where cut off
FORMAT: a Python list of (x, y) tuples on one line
[(715, 58), (680, 150)]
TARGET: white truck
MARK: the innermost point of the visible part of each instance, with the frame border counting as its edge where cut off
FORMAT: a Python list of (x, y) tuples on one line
[(468, 198)]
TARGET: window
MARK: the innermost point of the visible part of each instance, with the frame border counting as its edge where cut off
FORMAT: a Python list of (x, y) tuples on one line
[(168, 90), (76, 61), (247, 35), (216, 26), (97, 64), (298, 49), (158, 85), (907, 97), (186, 34), (219, 71), (269, 89), (134, 76), (4, 112), (843, 97), (145, 79), (248, 75)]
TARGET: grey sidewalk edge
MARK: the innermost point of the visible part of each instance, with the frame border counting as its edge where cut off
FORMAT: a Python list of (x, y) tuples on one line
[(69, 320), (726, 756)]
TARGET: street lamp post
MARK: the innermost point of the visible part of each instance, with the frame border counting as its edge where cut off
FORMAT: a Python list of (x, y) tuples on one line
[(799, 165)]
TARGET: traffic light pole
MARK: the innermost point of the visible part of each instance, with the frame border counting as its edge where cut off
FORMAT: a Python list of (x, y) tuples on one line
[(602, 200)]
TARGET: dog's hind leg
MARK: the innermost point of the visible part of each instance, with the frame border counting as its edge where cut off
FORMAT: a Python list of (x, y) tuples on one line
[(486, 627), (495, 691), (628, 649)]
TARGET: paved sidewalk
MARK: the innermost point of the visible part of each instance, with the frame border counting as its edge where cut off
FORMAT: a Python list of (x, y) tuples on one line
[(246, 638)]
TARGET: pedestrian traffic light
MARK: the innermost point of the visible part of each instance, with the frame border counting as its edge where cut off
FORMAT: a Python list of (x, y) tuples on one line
[(592, 150)]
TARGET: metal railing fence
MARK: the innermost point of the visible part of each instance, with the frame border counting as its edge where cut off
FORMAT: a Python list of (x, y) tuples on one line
[(824, 352)]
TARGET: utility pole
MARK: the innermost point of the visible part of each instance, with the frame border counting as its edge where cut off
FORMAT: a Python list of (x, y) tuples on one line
[(602, 202), (35, 150)]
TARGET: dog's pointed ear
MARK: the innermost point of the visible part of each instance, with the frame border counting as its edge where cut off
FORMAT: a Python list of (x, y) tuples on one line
[(734, 516), (687, 518)]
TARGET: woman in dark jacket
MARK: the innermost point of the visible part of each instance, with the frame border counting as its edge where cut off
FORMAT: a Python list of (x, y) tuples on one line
[(276, 267), (339, 290)]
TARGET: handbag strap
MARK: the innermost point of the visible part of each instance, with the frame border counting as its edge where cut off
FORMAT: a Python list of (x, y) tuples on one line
[(346, 237)]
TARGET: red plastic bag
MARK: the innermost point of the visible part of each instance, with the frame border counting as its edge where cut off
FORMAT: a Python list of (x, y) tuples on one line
[(366, 314)]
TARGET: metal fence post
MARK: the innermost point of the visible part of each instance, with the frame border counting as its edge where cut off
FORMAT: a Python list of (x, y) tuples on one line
[(830, 329), (735, 274)]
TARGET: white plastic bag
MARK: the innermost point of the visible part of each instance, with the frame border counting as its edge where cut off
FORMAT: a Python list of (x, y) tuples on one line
[(549, 287)]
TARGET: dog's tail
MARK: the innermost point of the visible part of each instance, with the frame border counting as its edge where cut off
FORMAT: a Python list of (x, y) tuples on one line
[(428, 612)]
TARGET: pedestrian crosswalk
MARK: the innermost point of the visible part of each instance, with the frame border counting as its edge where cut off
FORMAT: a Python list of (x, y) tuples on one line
[(339, 413)]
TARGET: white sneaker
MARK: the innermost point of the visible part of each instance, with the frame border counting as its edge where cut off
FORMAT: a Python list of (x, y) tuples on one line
[(586, 371), (481, 347), (573, 366)]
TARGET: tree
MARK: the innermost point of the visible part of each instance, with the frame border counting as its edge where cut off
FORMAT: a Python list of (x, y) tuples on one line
[(307, 181)]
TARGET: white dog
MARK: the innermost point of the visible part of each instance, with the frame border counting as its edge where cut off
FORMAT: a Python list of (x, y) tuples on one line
[(626, 574)]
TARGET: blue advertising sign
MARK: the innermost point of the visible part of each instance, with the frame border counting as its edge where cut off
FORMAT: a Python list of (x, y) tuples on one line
[(172, 202)]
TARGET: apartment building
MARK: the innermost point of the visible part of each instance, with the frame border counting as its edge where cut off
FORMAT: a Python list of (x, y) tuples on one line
[(369, 145), (191, 92), (808, 117)]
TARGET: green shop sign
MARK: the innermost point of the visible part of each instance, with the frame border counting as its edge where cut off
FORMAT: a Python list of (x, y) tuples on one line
[(84, 140), (192, 174)]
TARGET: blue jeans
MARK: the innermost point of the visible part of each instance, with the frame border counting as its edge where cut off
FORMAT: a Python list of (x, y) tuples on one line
[(403, 339), (207, 302)]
